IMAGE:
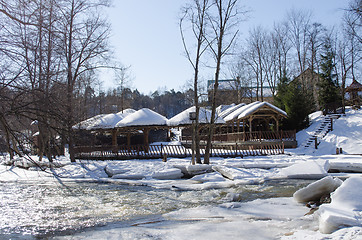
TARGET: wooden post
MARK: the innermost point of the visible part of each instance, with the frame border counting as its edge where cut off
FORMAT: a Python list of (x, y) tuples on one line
[(146, 142), (331, 124), (114, 140), (244, 130), (129, 141), (236, 149), (250, 127)]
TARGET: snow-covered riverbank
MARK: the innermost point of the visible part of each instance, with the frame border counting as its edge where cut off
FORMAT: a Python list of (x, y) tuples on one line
[(259, 219)]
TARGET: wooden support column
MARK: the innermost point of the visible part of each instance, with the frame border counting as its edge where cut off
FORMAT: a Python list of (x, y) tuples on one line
[(129, 141), (114, 140), (146, 132), (250, 127), (244, 130)]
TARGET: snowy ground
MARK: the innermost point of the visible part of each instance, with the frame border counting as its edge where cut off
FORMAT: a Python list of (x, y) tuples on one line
[(259, 219)]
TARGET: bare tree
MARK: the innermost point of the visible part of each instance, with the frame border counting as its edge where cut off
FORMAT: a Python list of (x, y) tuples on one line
[(223, 21), (85, 34), (122, 79), (353, 19), (299, 23), (196, 15), (255, 56), (282, 46), (51, 46), (348, 49), (29, 40), (315, 34)]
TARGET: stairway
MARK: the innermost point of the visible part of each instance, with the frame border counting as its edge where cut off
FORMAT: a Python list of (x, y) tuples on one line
[(321, 131)]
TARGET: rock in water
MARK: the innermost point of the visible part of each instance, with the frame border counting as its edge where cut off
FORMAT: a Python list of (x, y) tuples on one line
[(314, 191)]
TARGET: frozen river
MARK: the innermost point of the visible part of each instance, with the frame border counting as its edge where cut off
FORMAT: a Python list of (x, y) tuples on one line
[(33, 210)]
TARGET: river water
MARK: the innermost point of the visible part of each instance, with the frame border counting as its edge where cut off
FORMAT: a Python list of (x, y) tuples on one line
[(37, 211)]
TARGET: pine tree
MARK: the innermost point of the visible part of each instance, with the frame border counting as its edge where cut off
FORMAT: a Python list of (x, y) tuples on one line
[(295, 101), (328, 94), (282, 90), (298, 104)]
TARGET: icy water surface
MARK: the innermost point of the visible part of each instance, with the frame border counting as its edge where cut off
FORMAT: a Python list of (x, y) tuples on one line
[(36, 211)]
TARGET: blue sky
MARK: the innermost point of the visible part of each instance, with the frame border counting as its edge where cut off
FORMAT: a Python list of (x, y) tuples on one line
[(146, 36)]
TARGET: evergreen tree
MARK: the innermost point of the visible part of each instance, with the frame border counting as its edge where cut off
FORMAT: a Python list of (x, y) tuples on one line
[(328, 95), (298, 105), (282, 90), (295, 101)]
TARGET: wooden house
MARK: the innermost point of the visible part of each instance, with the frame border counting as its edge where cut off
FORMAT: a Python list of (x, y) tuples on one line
[(355, 93)]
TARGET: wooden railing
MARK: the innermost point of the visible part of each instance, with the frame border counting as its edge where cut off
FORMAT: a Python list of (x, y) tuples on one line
[(179, 151), (248, 136)]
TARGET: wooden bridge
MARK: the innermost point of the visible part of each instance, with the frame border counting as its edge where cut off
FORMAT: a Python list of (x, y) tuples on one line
[(177, 151)]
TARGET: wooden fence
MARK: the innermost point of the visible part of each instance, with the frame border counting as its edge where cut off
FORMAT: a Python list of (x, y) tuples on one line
[(248, 136), (178, 151)]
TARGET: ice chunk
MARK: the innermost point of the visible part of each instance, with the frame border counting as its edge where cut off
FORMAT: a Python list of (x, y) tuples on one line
[(347, 166), (233, 173), (114, 170), (192, 170), (345, 208), (307, 170), (209, 177), (173, 173), (128, 176), (316, 190)]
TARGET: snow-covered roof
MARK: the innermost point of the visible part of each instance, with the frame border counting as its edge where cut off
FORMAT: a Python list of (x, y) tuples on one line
[(88, 122), (230, 110), (234, 114), (142, 117), (103, 121), (183, 118), (222, 108), (251, 108)]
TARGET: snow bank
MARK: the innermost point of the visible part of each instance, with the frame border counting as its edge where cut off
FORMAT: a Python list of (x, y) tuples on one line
[(346, 134), (314, 191), (307, 170), (345, 209)]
